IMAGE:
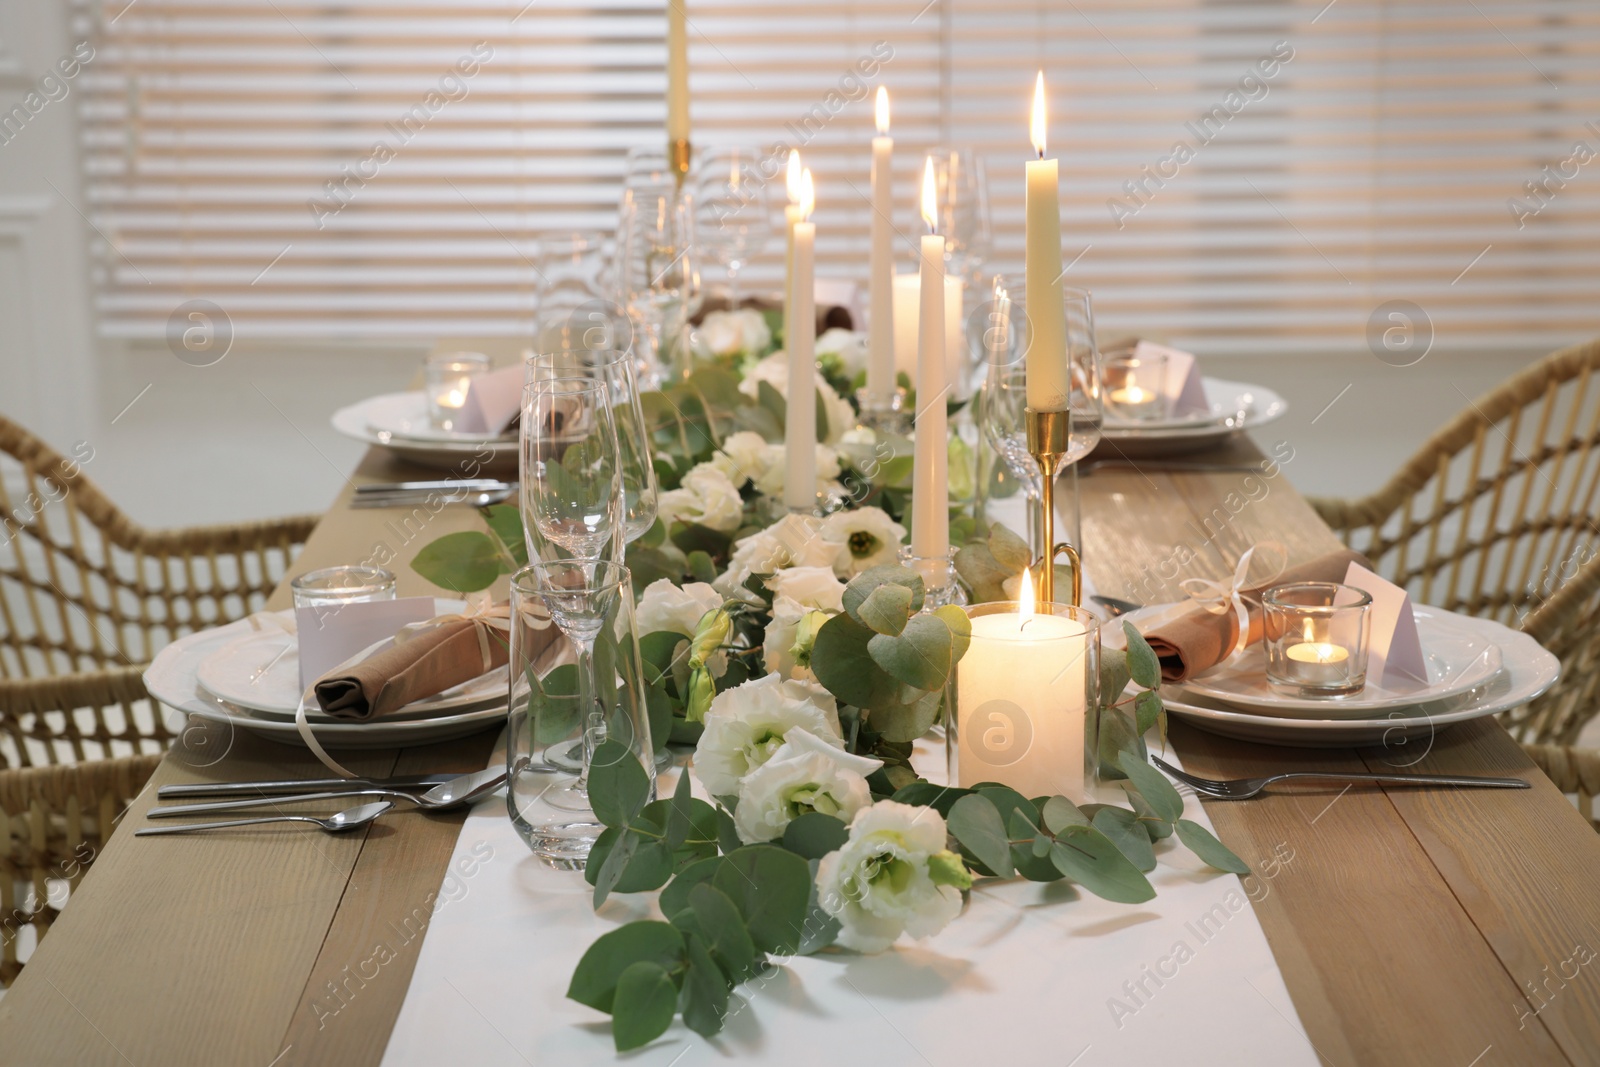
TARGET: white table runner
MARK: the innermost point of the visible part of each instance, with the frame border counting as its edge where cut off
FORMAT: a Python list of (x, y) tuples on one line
[(1028, 974)]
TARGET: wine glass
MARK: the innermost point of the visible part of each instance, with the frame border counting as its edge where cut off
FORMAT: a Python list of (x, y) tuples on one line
[(733, 214), (640, 488), (574, 306), (962, 191), (658, 276), (571, 476)]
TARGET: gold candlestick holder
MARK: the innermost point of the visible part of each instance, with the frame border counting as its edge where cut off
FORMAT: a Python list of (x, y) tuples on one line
[(678, 155), (1049, 435)]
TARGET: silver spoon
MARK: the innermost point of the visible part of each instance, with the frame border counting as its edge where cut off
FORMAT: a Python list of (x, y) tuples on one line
[(348, 819), (452, 794)]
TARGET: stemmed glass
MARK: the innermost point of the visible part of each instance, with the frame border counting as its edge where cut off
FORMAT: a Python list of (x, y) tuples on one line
[(962, 192), (571, 474), (733, 213), (574, 294), (658, 277)]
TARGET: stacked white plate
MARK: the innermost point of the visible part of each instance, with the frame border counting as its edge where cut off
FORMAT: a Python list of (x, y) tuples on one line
[(399, 422), (1235, 408), (249, 677), (1476, 667)]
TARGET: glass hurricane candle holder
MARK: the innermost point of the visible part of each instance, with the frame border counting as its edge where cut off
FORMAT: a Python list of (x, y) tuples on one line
[(939, 581), (1316, 636), (1026, 700), (1136, 388), (333, 586), (446, 379)]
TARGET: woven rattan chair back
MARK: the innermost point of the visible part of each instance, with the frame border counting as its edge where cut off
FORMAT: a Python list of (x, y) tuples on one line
[(57, 821), (83, 587), (1568, 624), (92, 715)]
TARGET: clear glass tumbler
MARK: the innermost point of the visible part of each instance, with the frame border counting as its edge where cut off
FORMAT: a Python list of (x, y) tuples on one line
[(332, 586), (1316, 636), (446, 378)]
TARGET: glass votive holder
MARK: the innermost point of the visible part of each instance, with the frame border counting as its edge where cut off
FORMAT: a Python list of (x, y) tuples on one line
[(1316, 636), (939, 581), (1136, 387), (445, 380), (332, 586)]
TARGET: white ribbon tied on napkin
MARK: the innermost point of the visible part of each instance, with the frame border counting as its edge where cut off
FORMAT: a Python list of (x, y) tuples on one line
[(481, 611), (1220, 597)]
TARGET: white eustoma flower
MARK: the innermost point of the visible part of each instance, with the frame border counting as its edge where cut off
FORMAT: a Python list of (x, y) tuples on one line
[(743, 457), (774, 370), (816, 588), (893, 876), (849, 346), (730, 333), (668, 608), (746, 725), (775, 467), (872, 537), (705, 496), (792, 541), (806, 774)]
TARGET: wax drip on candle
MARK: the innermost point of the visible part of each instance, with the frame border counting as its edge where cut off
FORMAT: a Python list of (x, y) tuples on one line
[(881, 107), (1037, 124)]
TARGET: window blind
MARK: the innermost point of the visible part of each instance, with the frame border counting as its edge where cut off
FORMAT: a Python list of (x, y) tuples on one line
[(1236, 177)]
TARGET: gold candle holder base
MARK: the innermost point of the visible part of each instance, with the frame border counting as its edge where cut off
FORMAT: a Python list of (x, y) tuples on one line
[(1049, 435), (678, 156)]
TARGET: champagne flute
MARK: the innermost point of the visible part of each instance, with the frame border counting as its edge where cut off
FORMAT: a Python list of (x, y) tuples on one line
[(571, 474), (658, 276), (733, 213)]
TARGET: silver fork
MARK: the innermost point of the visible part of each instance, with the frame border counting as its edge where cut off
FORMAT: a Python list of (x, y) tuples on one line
[(1245, 788)]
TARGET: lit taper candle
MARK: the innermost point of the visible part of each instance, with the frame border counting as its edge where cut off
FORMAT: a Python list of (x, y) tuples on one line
[(800, 424), (930, 494), (791, 214), (880, 263), (1048, 388)]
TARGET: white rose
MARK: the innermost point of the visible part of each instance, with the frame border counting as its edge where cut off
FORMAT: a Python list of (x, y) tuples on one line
[(871, 536), (705, 496), (848, 345), (792, 541), (729, 333), (774, 370), (805, 774), (742, 457), (746, 725), (811, 587), (893, 876), (775, 462)]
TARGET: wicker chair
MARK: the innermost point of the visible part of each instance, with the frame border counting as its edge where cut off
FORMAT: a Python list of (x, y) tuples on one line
[(87, 597), (1495, 516), (57, 820)]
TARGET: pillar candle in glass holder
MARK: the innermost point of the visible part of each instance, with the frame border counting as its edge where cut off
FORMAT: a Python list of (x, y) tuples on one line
[(880, 262), (930, 492), (1022, 696), (800, 424), (1048, 388)]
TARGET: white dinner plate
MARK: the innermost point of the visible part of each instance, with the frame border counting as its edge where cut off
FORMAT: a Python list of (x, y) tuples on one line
[(405, 416), (259, 672), (1236, 407), (466, 456), (172, 679), (1460, 656)]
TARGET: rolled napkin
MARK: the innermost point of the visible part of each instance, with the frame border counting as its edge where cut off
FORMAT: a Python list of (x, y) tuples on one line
[(1200, 638), (422, 662)]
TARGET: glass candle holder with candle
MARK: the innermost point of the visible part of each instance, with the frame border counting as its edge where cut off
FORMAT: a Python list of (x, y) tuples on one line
[(1316, 636), (446, 378), (938, 574), (1027, 699), (332, 586), (1136, 388)]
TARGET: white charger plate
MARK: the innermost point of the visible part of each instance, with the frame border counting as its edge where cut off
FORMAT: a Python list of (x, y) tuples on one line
[(1460, 657), (450, 452), (259, 673), (1259, 404), (172, 679)]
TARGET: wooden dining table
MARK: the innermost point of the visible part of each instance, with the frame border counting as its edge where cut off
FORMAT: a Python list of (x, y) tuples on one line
[(1411, 926)]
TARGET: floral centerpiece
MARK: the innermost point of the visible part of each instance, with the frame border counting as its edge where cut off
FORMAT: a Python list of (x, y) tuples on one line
[(802, 663)]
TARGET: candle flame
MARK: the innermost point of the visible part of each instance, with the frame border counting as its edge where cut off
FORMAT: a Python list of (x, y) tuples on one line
[(1025, 599), (1036, 127), (930, 197), (792, 178), (1308, 631), (882, 107), (808, 194)]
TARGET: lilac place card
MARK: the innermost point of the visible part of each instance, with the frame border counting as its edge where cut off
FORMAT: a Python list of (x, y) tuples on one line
[(1183, 387), (1395, 651), (331, 634), (493, 400)]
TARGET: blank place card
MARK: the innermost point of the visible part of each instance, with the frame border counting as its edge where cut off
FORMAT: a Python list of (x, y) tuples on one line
[(492, 401), (1182, 387), (1395, 651), (330, 634)]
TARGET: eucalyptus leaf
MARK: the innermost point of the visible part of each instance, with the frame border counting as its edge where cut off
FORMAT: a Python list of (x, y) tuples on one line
[(819, 930), (608, 860), (940, 798), (1010, 551), (886, 609), (960, 626), (975, 822), (1142, 663), (1060, 813), (907, 722), (773, 403), (1114, 675), (1155, 827), (464, 562), (919, 657), (1089, 858), (814, 835), (643, 1006), (680, 815), (594, 982), (506, 523), (1203, 844), (618, 785), (705, 989), (724, 929), (864, 584), (1122, 829), (675, 897), (701, 569), (691, 537), (843, 664), (982, 572), (1153, 786), (727, 831), (1147, 710), (770, 887), (1118, 735)]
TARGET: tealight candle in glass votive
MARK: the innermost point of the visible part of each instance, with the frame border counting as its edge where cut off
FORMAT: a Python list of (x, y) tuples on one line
[(445, 381), (333, 586), (1316, 636), (1136, 387)]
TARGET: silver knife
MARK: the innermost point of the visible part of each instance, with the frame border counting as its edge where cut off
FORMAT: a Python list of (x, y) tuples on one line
[(301, 785), (445, 485)]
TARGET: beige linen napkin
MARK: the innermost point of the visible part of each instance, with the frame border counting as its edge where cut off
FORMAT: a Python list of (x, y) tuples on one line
[(423, 665), (1198, 640)]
